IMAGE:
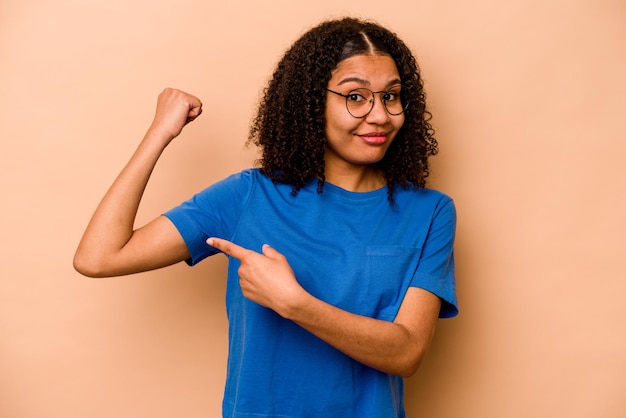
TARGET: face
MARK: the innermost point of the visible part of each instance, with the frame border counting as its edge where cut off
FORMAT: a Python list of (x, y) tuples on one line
[(359, 142)]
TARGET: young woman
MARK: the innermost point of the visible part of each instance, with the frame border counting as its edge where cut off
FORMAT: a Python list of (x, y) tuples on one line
[(340, 259)]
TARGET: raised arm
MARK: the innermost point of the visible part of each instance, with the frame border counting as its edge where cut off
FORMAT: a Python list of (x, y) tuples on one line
[(110, 245)]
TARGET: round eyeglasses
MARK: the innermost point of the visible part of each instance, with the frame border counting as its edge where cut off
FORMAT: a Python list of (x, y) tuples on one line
[(360, 102)]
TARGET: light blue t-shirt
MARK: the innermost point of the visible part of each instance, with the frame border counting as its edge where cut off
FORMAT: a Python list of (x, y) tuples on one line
[(352, 250)]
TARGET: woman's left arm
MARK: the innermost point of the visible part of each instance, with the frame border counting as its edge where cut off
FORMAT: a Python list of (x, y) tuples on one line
[(396, 347)]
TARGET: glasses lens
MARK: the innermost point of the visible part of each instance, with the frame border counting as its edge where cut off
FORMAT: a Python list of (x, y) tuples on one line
[(396, 100), (359, 102)]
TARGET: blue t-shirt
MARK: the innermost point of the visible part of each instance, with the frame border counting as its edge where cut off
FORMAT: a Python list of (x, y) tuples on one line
[(352, 250)]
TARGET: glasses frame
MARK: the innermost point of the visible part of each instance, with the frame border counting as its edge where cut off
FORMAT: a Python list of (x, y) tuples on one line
[(382, 99)]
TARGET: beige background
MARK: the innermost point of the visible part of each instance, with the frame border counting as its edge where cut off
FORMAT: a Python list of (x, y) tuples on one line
[(528, 100)]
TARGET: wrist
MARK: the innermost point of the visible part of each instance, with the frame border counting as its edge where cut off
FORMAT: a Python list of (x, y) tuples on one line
[(158, 135), (296, 305)]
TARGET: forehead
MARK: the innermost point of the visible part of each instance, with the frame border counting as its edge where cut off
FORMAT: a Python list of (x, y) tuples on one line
[(365, 69)]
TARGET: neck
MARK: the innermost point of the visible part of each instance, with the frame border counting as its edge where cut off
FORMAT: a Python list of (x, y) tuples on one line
[(365, 179)]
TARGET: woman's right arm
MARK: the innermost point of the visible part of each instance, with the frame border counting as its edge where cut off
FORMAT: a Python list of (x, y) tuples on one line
[(110, 245)]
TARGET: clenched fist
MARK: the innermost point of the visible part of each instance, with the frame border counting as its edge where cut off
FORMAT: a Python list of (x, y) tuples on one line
[(175, 109)]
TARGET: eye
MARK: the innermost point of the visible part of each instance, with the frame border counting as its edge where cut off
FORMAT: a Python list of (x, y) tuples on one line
[(391, 95), (355, 96)]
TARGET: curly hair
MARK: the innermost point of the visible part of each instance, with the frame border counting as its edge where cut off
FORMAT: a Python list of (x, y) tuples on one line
[(289, 124)]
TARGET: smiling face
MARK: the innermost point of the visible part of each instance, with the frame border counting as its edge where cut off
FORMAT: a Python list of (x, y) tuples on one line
[(355, 144)]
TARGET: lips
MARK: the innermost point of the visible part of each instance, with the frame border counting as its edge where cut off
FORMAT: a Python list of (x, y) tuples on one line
[(374, 138)]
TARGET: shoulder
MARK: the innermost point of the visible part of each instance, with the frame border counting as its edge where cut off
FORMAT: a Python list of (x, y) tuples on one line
[(248, 175), (231, 190), (426, 207), (239, 182), (250, 187), (251, 176), (423, 197)]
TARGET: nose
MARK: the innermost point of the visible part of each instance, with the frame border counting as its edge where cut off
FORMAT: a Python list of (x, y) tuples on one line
[(378, 115)]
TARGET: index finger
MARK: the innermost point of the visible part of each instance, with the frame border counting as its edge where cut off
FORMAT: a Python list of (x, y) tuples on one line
[(228, 247)]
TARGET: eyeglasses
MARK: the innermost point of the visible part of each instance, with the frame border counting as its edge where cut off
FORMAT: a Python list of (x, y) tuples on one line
[(360, 102)]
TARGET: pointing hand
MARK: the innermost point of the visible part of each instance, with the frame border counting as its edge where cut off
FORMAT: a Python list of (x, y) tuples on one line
[(265, 278)]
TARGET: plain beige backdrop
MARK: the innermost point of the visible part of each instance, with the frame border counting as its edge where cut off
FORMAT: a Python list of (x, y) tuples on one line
[(529, 106)]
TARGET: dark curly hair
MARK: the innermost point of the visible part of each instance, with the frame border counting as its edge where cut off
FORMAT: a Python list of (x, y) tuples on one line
[(289, 124)]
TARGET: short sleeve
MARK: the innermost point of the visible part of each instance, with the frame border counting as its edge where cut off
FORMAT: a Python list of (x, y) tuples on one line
[(435, 271), (213, 212)]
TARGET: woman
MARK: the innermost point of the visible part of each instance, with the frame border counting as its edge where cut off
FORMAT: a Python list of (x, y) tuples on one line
[(340, 260)]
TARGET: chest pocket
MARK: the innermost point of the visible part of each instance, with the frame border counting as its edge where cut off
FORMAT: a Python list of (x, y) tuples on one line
[(388, 272)]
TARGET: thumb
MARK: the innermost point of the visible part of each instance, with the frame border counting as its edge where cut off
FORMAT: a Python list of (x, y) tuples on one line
[(270, 252), (195, 110)]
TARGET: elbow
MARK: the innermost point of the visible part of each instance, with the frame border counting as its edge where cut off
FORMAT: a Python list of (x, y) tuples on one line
[(87, 266), (408, 367), (408, 363), (84, 268)]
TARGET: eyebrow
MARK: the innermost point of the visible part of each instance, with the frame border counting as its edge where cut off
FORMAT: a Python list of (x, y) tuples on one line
[(366, 82)]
